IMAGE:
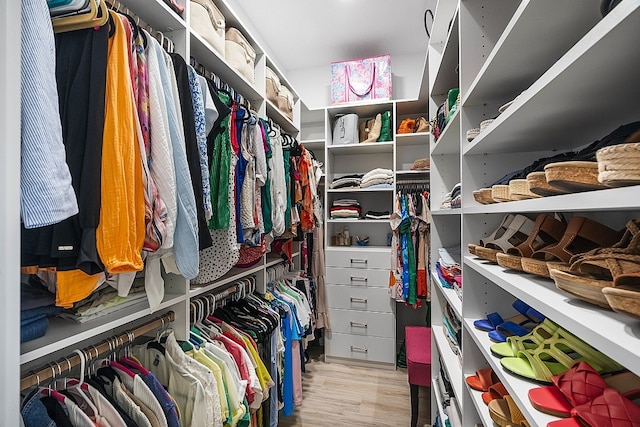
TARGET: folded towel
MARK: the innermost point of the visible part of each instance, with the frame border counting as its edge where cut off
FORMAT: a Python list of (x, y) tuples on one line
[(375, 182), (378, 171)]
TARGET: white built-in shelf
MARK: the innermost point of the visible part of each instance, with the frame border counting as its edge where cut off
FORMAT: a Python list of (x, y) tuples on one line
[(518, 387), (449, 141), (359, 221), (439, 212), (444, 12), (416, 172), (273, 259), (567, 107), (364, 109), (358, 190), (510, 69), (450, 295), (449, 360), (313, 144), (231, 276), (615, 334), (439, 403), (446, 76), (613, 199), (369, 248), (362, 148), (274, 113), (481, 407), (158, 15), (422, 138), (63, 333), (214, 62)]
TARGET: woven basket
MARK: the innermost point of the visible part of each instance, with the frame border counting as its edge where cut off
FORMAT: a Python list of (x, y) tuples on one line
[(485, 123), (619, 165), (501, 193), (573, 177), (472, 133), (483, 196), (503, 108), (538, 184), (519, 190)]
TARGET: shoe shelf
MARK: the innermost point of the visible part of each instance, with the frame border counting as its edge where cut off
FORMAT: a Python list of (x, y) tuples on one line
[(63, 333), (449, 294), (362, 148), (439, 402), (446, 59), (157, 14), (448, 359), (517, 387), (568, 107), (483, 410), (612, 333), (449, 141), (509, 68), (613, 199)]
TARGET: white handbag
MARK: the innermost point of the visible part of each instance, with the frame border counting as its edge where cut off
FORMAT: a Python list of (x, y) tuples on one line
[(209, 23), (285, 102), (273, 86), (240, 54), (345, 130)]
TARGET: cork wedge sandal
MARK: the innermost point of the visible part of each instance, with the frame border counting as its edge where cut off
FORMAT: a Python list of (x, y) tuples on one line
[(515, 233)]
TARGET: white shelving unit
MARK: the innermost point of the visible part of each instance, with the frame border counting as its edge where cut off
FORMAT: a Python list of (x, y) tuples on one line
[(63, 335), (559, 107)]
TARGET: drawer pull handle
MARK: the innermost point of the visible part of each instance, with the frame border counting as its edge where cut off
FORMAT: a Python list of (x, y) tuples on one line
[(360, 300), (358, 325), (358, 261), (359, 279), (360, 349)]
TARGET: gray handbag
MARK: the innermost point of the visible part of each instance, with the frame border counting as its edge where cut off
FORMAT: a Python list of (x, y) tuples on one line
[(345, 130)]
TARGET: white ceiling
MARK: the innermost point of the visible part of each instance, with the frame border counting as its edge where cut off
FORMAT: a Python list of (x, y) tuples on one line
[(312, 33)]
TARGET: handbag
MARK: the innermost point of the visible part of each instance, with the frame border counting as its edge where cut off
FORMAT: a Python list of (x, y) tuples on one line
[(361, 79), (345, 130), (285, 101), (240, 54), (209, 23), (250, 256), (272, 85)]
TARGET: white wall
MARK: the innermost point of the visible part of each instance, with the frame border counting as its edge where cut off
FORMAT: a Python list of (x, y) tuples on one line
[(312, 84)]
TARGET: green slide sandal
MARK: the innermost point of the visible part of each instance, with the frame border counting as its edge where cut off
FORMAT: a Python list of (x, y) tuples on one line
[(531, 341)]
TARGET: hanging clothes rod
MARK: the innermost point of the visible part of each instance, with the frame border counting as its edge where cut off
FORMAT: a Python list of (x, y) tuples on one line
[(55, 369), (158, 35)]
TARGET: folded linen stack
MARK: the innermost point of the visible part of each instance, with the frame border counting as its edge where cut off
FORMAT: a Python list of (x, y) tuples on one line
[(37, 304), (345, 208), (346, 181), (377, 178), (448, 269), (377, 215)]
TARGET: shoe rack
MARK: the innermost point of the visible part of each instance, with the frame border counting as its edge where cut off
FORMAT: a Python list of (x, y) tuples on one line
[(573, 73)]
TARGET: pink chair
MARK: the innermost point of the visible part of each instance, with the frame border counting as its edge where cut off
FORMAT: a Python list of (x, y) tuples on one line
[(418, 344)]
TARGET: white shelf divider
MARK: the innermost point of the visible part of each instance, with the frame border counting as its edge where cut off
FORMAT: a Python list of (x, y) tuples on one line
[(612, 333)]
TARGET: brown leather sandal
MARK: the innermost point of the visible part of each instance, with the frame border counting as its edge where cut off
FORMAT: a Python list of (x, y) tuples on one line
[(595, 270), (547, 231), (581, 235), (507, 236)]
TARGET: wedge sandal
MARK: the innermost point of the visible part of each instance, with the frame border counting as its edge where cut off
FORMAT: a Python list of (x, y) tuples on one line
[(550, 359), (547, 231), (624, 296), (579, 385), (581, 235), (593, 271), (509, 236), (505, 413)]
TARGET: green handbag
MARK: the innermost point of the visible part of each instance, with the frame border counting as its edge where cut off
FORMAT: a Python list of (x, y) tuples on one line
[(385, 132)]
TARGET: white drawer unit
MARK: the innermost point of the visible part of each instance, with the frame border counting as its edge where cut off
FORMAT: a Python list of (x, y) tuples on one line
[(359, 259), (359, 298), (349, 346), (364, 323), (357, 277)]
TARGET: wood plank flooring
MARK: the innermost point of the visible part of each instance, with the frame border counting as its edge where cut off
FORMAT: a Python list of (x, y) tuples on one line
[(339, 395)]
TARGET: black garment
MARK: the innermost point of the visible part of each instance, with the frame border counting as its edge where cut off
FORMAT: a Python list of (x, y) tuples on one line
[(56, 411), (191, 144), (99, 385), (81, 72), (223, 111)]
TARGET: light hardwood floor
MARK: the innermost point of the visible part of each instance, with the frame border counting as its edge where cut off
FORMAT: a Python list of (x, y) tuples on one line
[(339, 395)]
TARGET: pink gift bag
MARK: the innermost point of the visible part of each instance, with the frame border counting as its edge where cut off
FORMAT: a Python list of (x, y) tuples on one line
[(361, 79)]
